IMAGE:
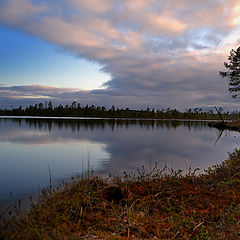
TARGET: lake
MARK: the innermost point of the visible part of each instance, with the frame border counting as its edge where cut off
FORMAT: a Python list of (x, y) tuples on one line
[(33, 149)]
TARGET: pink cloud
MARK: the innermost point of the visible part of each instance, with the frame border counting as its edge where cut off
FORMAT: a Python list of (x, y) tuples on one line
[(15, 12)]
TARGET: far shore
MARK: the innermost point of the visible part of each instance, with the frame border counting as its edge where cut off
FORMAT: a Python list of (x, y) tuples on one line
[(226, 125)]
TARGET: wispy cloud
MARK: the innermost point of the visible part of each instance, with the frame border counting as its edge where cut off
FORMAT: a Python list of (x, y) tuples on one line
[(157, 52)]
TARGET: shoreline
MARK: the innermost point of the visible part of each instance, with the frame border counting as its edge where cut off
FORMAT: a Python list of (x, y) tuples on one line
[(155, 205), (226, 125)]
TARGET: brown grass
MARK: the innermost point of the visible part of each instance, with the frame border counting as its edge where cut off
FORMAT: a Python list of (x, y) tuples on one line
[(152, 206), (233, 125)]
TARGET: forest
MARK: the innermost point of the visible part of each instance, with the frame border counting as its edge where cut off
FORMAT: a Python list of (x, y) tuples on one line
[(77, 110)]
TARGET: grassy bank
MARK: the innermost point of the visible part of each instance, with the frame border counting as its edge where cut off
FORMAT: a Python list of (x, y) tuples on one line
[(152, 206), (233, 125)]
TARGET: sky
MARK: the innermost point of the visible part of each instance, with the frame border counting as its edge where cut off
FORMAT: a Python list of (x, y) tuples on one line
[(130, 53)]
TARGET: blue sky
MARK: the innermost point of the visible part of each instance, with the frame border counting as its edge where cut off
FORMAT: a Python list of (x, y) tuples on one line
[(154, 53), (29, 60)]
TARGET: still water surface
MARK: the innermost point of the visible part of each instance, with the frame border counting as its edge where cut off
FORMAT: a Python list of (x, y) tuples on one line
[(31, 148)]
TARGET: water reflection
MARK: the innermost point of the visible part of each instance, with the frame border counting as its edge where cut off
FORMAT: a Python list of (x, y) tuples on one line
[(77, 124), (70, 146)]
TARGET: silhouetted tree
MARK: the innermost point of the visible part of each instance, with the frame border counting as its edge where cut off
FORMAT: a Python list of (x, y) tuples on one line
[(74, 105), (233, 72), (40, 105), (50, 106)]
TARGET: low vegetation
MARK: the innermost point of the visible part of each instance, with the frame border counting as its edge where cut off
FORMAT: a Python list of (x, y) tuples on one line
[(233, 125), (155, 205)]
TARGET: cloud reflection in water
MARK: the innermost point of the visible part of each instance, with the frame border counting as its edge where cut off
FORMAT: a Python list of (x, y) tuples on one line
[(28, 145)]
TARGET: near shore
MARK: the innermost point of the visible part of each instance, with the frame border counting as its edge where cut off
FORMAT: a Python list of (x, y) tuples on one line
[(155, 205)]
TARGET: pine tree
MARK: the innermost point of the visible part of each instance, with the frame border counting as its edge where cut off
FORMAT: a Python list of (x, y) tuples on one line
[(233, 72)]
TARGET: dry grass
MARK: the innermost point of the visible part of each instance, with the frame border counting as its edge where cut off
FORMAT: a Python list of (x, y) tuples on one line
[(152, 206), (233, 125)]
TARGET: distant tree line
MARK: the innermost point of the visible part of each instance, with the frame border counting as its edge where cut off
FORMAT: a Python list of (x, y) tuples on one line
[(76, 110)]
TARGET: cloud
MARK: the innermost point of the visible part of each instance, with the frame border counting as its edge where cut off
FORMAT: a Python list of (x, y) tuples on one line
[(181, 95), (92, 6), (157, 52), (17, 12)]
